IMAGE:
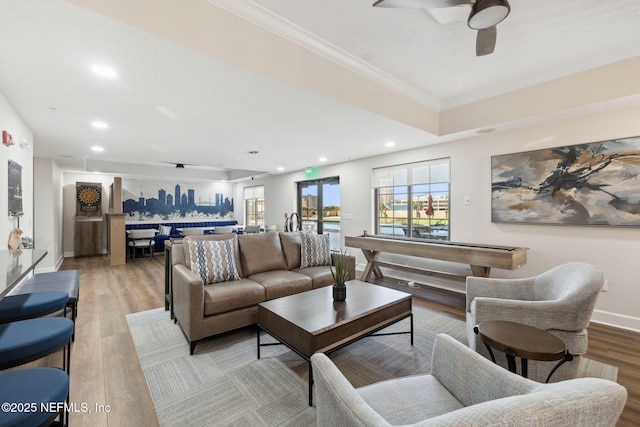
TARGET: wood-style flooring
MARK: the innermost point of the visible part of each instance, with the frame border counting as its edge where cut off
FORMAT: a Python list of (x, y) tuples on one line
[(105, 369)]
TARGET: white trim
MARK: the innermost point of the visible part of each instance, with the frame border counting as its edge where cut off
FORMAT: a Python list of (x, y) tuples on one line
[(277, 24), (616, 320)]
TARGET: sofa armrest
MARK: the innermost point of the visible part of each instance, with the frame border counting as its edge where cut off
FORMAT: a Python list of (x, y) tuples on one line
[(188, 300), (337, 401)]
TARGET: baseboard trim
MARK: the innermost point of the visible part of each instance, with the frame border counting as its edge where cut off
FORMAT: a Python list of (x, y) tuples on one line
[(616, 320)]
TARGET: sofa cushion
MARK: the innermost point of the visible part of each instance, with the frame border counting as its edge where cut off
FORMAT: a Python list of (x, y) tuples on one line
[(409, 400), (280, 283), (314, 250), (213, 260), (320, 275), (291, 242), (236, 252), (261, 252), (164, 230), (229, 296)]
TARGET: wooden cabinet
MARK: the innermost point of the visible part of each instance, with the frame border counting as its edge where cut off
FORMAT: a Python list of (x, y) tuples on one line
[(116, 238), (87, 238)]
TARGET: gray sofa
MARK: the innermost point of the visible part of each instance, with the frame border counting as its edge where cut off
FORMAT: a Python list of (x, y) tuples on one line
[(268, 266), (463, 389)]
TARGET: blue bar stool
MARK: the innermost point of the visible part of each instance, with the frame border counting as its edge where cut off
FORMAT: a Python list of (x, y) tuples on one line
[(44, 390), (27, 340), (28, 306), (63, 281)]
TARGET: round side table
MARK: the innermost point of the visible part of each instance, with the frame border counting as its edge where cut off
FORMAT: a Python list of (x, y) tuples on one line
[(523, 341)]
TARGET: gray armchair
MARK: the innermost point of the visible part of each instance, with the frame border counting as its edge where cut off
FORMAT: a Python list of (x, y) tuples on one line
[(560, 301), (463, 389)]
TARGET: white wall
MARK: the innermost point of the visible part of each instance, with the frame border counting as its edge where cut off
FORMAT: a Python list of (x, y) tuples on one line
[(48, 213), (12, 123), (614, 250)]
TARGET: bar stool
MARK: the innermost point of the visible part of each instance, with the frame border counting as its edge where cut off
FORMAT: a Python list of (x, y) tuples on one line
[(62, 281), (27, 340), (44, 389), (28, 306)]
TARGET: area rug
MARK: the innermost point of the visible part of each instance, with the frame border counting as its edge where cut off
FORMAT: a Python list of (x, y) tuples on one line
[(224, 383)]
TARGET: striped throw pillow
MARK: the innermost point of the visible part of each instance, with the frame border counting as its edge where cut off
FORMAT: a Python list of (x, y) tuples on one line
[(213, 260), (314, 250)]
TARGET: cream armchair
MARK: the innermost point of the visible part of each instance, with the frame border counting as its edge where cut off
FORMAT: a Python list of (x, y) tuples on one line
[(463, 389), (560, 301), (141, 239)]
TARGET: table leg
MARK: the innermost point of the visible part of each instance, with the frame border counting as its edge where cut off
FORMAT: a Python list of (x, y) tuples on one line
[(567, 358), (258, 341), (310, 384), (411, 328), (525, 366), (371, 267), (511, 361)]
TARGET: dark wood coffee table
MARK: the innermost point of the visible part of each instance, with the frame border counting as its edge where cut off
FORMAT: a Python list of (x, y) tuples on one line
[(523, 341), (311, 322)]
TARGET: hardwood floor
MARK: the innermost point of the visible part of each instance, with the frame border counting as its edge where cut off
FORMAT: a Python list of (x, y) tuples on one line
[(105, 368)]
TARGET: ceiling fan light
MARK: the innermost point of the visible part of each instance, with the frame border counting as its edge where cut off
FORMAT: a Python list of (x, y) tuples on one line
[(488, 13)]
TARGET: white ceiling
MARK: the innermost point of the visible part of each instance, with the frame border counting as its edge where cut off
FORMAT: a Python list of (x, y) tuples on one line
[(183, 96)]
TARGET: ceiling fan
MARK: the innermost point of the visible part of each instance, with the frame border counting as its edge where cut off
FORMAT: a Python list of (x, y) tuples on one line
[(484, 16)]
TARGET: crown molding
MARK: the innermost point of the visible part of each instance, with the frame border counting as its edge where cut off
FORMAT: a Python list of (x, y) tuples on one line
[(276, 24)]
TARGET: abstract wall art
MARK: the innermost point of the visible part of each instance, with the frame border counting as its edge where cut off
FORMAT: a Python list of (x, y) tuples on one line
[(587, 184)]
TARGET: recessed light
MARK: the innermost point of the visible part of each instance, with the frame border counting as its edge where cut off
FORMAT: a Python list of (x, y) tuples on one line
[(322, 159), (389, 144), (104, 71), (97, 149), (280, 168), (99, 125)]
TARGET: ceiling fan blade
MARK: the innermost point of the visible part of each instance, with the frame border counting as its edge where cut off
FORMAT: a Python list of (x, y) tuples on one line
[(486, 41), (421, 4)]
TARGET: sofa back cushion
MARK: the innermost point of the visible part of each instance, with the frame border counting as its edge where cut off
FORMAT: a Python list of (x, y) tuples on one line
[(291, 242), (314, 250), (164, 230), (212, 237), (213, 260), (260, 253)]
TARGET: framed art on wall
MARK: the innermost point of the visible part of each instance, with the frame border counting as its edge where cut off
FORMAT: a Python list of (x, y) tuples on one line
[(89, 197), (15, 189), (587, 184)]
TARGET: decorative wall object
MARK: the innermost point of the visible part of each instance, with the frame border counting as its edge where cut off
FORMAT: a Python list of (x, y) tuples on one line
[(587, 184), (15, 189), (147, 200), (89, 197), (7, 139)]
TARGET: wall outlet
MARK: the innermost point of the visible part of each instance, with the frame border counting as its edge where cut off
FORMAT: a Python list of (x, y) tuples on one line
[(605, 286)]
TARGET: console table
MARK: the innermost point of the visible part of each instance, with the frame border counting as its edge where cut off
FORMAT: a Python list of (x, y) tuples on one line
[(16, 265), (480, 257)]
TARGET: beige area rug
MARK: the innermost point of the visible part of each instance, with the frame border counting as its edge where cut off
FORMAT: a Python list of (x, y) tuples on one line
[(224, 384)]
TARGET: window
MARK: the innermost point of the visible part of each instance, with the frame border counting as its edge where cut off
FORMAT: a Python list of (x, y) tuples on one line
[(254, 205), (319, 207), (413, 200)]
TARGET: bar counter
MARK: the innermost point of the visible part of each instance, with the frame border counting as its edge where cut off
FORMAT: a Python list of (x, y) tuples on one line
[(16, 265)]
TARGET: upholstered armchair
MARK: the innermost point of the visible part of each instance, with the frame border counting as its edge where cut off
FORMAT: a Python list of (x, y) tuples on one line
[(560, 301), (463, 389)]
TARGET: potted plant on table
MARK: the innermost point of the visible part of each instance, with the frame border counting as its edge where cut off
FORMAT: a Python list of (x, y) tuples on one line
[(340, 274)]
